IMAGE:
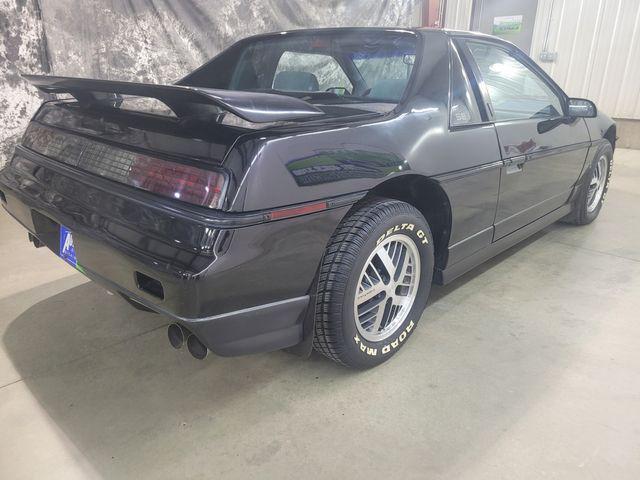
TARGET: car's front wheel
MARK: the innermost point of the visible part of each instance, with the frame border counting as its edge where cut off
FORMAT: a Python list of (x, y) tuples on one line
[(374, 282), (591, 195)]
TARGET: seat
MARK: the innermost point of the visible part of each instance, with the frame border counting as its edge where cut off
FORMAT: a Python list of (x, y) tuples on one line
[(293, 81)]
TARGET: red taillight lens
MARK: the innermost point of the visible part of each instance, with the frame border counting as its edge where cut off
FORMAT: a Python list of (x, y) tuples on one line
[(176, 180), (180, 181)]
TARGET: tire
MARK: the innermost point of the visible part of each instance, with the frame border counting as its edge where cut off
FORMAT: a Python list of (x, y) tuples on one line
[(343, 332), (587, 207)]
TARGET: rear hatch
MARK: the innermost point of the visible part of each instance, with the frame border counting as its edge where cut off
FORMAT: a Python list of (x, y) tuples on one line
[(166, 139), (134, 165)]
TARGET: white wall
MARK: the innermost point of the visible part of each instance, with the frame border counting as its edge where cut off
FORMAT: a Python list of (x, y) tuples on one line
[(597, 43), (457, 14), (598, 47)]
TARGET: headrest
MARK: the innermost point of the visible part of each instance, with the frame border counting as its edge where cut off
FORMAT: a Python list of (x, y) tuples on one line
[(296, 81)]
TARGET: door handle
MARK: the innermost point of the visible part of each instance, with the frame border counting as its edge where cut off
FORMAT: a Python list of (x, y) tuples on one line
[(516, 165)]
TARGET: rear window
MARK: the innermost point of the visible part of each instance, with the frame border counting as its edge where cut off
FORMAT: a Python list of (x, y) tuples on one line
[(323, 68)]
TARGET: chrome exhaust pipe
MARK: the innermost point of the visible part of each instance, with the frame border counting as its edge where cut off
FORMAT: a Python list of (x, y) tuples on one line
[(196, 348), (177, 335)]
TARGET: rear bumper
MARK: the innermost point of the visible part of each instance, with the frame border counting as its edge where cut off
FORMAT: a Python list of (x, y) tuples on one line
[(261, 328), (249, 293)]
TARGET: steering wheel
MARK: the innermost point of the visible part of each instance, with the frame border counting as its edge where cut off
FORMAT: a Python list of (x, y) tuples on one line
[(333, 89)]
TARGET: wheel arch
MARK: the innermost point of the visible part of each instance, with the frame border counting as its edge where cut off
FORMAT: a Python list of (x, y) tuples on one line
[(610, 135), (428, 196)]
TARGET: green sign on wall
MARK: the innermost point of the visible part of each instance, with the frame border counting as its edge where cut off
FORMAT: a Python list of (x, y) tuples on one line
[(507, 24)]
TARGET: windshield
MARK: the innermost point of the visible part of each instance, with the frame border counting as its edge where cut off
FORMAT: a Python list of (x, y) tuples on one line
[(328, 68)]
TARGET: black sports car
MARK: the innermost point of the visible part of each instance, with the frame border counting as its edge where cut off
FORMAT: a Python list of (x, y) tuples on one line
[(304, 189)]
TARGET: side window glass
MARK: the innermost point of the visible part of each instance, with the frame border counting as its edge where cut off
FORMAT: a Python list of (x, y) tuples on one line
[(308, 72), (463, 109), (385, 73), (515, 91)]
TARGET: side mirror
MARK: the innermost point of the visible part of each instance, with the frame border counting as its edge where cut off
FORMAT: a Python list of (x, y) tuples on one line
[(581, 107)]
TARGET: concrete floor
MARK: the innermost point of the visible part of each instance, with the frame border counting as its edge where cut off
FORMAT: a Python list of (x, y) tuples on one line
[(528, 367)]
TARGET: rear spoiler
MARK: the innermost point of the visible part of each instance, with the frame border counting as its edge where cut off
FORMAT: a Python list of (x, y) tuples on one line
[(251, 106)]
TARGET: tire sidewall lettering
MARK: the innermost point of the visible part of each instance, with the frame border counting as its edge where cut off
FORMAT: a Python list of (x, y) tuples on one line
[(423, 237), (389, 345), (609, 172)]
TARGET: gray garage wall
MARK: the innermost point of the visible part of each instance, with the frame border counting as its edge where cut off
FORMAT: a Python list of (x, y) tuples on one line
[(148, 40)]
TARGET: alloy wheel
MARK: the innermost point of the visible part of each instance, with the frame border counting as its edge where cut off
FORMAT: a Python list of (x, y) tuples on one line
[(387, 288)]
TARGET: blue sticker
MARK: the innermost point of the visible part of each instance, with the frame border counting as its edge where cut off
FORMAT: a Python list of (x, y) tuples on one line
[(67, 250)]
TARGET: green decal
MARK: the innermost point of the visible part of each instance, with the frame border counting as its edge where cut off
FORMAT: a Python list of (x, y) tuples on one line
[(506, 25)]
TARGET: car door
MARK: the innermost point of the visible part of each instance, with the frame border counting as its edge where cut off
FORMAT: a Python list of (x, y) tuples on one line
[(543, 151), (471, 151)]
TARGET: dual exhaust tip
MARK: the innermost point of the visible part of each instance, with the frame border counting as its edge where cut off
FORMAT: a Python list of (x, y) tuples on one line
[(179, 335)]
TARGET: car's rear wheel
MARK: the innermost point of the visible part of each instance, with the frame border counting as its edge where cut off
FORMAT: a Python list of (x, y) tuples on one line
[(374, 282), (594, 190)]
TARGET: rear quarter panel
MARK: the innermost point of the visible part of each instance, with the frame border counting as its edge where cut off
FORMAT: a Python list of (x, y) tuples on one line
[(276, 169)]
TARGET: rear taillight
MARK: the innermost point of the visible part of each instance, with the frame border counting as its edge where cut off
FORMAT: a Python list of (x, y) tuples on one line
[(175, 180), (170, 179)]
